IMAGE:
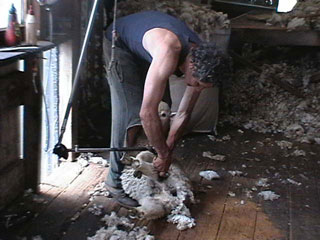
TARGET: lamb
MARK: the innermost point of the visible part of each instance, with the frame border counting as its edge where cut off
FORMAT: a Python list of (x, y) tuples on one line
[(158, 197)]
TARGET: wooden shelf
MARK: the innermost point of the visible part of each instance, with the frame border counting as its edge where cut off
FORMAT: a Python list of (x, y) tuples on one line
[(247, 30)]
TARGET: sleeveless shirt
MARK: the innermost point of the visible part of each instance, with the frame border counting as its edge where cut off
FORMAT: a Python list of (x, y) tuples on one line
[(131, 29)]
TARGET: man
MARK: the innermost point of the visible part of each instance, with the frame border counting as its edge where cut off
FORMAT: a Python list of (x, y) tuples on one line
[(151, 46)]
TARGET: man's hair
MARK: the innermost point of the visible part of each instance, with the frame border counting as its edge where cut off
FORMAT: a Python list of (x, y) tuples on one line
[(210, 64)]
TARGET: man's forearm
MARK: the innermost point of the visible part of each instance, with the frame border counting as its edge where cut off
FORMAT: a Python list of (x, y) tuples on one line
[(176, 129), (183, 115), (153, 129)]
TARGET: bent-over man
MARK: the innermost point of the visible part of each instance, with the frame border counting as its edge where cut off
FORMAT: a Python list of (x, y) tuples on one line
[(151, 46)]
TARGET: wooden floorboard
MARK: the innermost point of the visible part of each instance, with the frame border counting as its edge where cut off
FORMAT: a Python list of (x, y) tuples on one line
[(52, 223), (265, 229), (65, 175), (208, 212), (294, 216), (87, 224), (211, 195), (238, 220), (305, 211)]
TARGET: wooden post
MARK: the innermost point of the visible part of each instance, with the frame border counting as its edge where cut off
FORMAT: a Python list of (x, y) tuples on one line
[(76, 43), (32, 123)]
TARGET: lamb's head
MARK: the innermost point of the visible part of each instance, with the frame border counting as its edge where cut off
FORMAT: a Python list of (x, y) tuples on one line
[(164, 114), (142, 164), (145, 156)]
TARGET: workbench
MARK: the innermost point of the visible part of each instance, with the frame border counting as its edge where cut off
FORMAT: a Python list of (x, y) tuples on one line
[(20, 121)]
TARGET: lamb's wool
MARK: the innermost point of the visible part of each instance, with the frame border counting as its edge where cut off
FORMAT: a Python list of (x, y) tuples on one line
[(160, 198)]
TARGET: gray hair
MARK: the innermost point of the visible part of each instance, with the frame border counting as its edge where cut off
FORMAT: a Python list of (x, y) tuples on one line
[(210, 64)]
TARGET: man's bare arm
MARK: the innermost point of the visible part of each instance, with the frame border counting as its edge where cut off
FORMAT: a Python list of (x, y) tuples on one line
[(165, 50), (182, 117)]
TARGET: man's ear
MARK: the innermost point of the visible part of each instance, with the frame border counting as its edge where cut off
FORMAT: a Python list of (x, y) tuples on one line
[(190, 64)]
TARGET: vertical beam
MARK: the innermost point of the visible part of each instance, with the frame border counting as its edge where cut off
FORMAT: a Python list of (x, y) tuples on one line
[(32, 123), (65, 86), (76, 43)]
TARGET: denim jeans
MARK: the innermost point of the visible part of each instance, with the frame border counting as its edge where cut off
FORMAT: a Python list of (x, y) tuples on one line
[(126, 81)]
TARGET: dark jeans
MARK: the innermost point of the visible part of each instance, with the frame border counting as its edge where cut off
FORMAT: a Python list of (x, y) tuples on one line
[(126, 81)]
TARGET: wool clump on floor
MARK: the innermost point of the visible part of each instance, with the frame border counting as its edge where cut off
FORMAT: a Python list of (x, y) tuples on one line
[(209, 174), (120, 228), (160, 198), (268, 195)]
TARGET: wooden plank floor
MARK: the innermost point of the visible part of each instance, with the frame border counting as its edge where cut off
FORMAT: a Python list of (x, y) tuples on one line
[(220, 215)]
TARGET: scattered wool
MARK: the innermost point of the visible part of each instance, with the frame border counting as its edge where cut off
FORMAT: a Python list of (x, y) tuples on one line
[(293, 182), (99, 190), (268, 195), (303, 176), (226, 138), (236, 173), (75, 216), (114, 220), (209, 175), (119, 228), (99, 160), (183, 222), (96, 209), (298, 153), (208, 23), (216, 157), (231, 194), (284, 144), (182, 217), (262, 182), (82, 162), (85, 158), (248, 193), (28, 192), (160, 198), (255, 102), (211, 137)]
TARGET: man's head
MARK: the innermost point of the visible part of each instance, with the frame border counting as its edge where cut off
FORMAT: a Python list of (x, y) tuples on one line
[(208, 65)]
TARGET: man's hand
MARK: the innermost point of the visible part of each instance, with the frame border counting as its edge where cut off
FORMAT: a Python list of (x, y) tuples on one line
[(162, 165)]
